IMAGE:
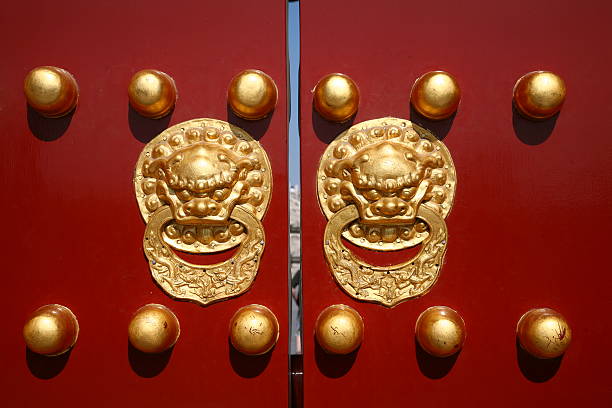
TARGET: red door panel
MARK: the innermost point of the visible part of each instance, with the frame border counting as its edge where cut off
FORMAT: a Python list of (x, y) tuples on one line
[(73, 228), (531, 220)]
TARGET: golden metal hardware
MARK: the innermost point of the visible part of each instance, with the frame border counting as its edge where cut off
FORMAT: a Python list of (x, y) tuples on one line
[(202, 187), (252, 94), (539, 94), (436, 95), (152, 93), (51, 330), (339, 329), (336, 97), (544, 333), (153, 329), (386, 184), (440, 331), (253, 330), (51, 91)]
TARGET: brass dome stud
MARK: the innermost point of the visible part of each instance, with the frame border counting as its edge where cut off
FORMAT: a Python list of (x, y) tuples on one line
[(435, 95), (336, 97), (153, 329), (253, 330), (51, 91), (440, 331), (51, 330), (539, 95), (252, 94), (544, 333), (152, 93), (339, 329)]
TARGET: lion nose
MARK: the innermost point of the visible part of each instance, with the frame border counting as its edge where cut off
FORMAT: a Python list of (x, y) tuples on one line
[(390, 206), (201, 207)]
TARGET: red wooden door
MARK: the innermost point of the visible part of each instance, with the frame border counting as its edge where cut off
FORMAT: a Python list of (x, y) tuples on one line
[(531, 219), (73, 229)]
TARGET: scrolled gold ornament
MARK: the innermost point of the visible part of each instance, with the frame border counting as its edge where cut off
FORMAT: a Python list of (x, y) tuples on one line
[(202, 187), (386, 184)]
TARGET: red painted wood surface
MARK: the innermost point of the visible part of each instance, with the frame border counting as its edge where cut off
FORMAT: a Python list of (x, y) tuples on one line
[(72, 229), (531, 221)]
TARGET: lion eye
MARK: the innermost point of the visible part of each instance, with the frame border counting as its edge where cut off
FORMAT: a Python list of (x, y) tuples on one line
[(221, 194), (407, 193), (184, 195), (177, 159), (372, 195)]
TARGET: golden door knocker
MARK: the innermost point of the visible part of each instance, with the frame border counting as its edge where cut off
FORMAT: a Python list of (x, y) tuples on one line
[(202, 187), (385, 185)]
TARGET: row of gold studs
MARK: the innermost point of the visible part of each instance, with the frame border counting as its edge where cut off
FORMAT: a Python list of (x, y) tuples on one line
[(436, 95), (440, 331), (53, 92), (252, 94), (53, 329)]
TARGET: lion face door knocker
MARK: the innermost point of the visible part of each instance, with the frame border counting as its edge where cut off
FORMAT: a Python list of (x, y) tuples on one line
[(203, 186), (385, 185)]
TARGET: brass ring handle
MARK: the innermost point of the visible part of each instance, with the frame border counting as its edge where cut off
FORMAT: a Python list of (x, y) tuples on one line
[(388, 285), (201, 283)]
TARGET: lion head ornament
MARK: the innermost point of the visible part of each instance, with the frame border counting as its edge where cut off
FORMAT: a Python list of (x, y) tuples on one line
[(385, 185), (202, 187)]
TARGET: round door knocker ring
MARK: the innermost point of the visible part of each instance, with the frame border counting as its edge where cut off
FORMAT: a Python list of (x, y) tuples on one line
[(385, 185), (203, 186)]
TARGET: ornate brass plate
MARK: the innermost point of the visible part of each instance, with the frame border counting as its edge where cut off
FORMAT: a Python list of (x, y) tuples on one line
[(202, 187), (385, 185)]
